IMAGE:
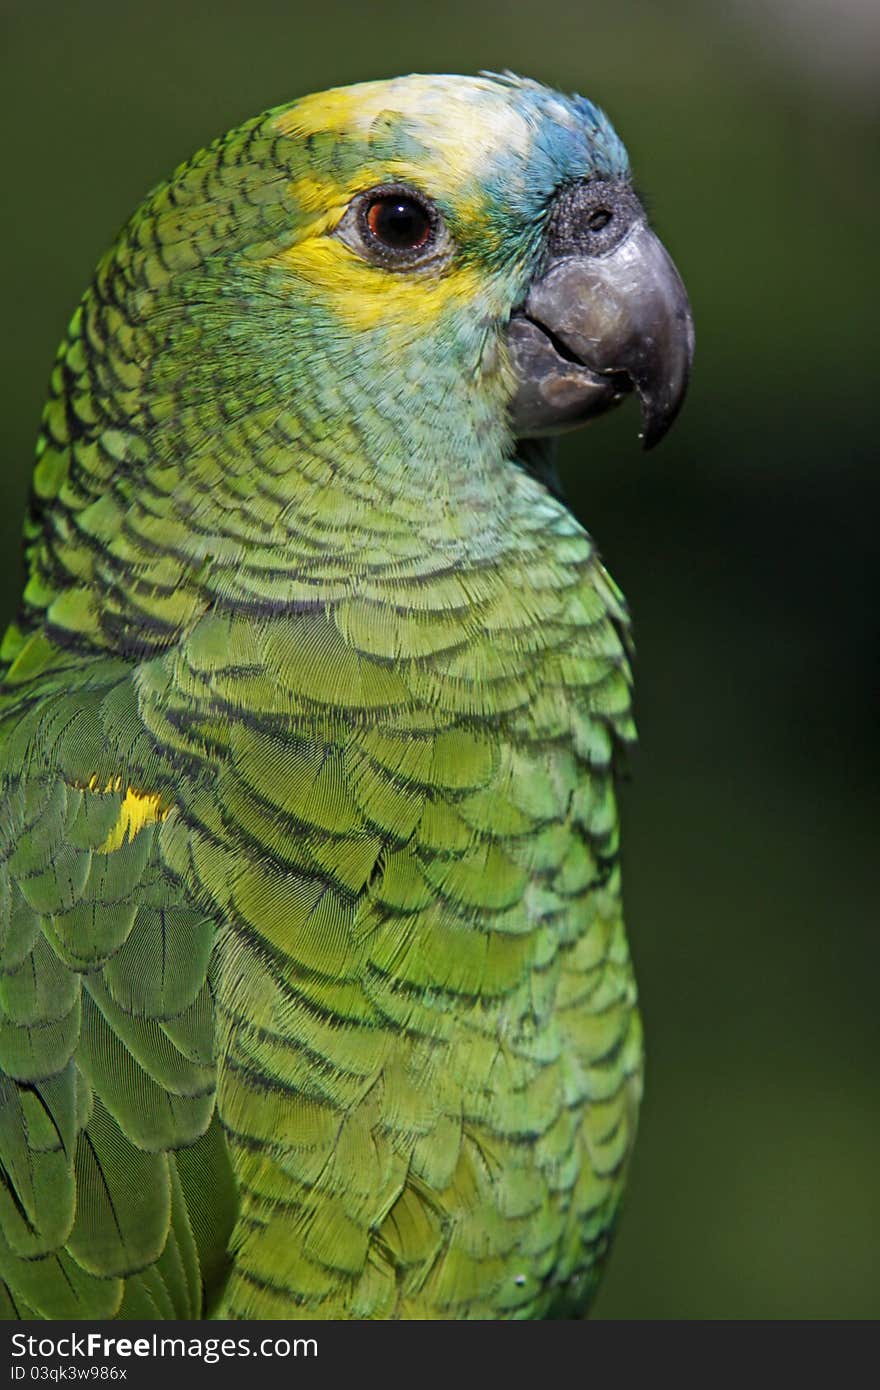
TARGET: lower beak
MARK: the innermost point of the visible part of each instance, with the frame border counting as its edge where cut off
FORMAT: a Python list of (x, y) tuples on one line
[(593, 329)]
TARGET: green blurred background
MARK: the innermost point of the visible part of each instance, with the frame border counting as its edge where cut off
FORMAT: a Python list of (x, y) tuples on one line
[(746, 544)]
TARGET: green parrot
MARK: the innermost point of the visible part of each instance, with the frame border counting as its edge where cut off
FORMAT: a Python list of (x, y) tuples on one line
[(315, 998)]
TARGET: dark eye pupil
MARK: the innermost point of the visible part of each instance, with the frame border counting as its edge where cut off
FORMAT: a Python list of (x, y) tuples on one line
[(598, 219), (398, 222)]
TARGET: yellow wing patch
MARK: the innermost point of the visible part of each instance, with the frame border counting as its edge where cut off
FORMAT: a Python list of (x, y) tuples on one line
[(138, 809)]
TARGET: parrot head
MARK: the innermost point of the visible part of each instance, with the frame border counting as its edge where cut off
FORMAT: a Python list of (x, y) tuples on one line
[(362, 306), (445, 258), (487, 221)]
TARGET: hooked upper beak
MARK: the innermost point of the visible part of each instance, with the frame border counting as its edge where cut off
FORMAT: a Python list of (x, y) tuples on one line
[(608, 315)]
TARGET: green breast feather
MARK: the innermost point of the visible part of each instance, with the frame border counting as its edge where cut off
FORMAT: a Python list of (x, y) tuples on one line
[(315, 998)]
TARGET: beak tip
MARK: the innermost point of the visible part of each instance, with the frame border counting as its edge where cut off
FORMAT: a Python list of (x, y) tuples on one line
[(655, 424), (660, 408), (655, 428)]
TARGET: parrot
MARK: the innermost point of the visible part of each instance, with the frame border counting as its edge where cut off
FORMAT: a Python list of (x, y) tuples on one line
[(315, 995)]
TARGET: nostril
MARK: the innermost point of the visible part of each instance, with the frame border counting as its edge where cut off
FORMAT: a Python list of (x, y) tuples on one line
[(599, 219), (591, 218)]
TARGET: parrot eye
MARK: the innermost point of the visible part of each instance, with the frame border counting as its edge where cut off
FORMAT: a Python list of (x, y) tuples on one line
[(394, 226), (399, 222)]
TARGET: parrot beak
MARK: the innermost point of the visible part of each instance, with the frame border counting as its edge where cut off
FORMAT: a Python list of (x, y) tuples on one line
[(608, 315)]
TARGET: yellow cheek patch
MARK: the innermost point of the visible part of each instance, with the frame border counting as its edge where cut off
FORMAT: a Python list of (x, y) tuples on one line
[(363, 296), (138, 810)]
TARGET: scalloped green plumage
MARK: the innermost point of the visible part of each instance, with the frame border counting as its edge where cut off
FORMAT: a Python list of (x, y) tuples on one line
[(314, 993)]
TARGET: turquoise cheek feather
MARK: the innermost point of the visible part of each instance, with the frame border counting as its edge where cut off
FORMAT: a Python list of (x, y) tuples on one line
[(317, 999)]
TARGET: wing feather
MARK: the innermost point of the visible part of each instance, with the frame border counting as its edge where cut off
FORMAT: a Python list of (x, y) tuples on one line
[(107, 1069)]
